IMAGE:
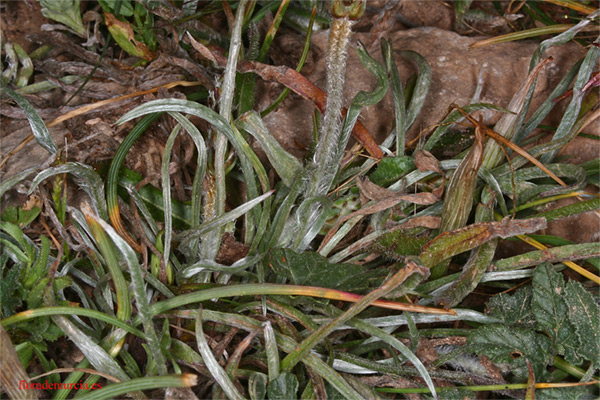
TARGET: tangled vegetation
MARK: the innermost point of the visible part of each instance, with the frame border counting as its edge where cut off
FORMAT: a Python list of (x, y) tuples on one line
[(339, 275)]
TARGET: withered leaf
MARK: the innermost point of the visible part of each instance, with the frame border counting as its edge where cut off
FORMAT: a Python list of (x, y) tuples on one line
[(425, 161), (123, 34), (449, 244)]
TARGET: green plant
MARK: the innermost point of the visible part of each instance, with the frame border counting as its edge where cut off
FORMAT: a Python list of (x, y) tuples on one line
[(148, 298)]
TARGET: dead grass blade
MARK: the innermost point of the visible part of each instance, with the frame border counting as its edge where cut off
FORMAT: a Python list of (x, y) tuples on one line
[(502, 140)]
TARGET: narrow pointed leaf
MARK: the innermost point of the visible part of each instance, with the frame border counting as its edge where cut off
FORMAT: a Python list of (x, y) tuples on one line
[(87, 178), (38, 127), (287, 166), (217, 372), (451, 243)]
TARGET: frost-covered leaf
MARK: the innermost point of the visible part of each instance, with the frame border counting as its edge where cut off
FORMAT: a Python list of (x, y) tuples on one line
[(287, 166), (509, 344), (312, 269), (257, 386), (551, 312), (513, 309), (87, 178), (38, 127), (285, 386), (566, 393), (584, 314), (9, 287)]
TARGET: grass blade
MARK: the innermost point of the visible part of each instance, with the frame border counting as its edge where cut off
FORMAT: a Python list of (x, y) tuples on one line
[(307, 345), (421, 86), (38, 127), (87, 178), (217, 372), (60, 310), (112, 263), (565, 128), (112, 180), (138, 287), (397, 94), (95, 354), (287, 166), (187, 236), (147, 383), (449, 244), (286, 344)]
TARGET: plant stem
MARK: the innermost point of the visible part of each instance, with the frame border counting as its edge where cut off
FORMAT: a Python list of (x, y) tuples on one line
[(329, 135)]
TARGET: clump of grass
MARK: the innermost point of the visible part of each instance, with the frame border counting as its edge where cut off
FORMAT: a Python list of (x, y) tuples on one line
[(254, 327)]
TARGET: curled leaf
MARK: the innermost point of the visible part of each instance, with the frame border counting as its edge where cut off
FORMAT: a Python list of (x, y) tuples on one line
[(123, 34)]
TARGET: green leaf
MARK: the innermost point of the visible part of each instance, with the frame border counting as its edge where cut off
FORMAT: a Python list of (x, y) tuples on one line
[(312, 269), (17, 234), (87, 178), (508, 344), (139, 290), (419, 94), (126, 387), (473, 270), (9, 287), (287, 166), (123, 33), (397, 94), (584, 314), (390, 169), (513, 309), (20, 216), (257, 386), (7, 183), (125, 9), (592, 171), (153, 199), (216, 370), (332, 394), (64, 11), (551, 312), (561, 252), (399, 244), (284, 387), (38, 127), (570, 209), (570, 117), (566, 393), (35, 296)]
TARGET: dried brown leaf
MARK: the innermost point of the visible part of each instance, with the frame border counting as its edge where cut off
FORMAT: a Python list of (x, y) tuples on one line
[(425, 161)]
